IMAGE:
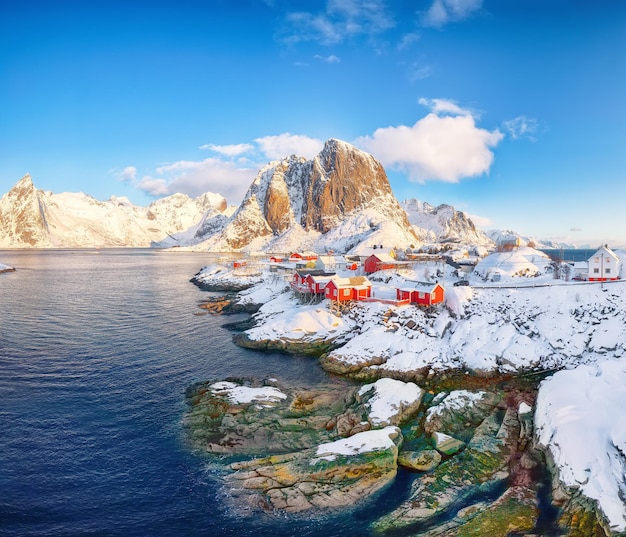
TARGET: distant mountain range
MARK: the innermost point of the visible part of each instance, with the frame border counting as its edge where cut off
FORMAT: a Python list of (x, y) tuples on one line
[(340, 200), (30, 217)]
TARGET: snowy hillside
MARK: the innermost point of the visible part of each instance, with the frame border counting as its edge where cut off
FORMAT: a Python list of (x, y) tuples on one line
[(30, 217)]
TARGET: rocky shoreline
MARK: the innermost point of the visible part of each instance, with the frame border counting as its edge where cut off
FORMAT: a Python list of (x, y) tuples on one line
[(476, 465), (468, 441)]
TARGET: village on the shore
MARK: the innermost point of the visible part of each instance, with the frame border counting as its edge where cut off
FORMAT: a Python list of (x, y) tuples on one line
[(342, 279)]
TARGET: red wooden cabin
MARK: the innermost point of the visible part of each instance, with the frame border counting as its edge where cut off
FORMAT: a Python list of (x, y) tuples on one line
[(343, 289), (424, 295), (376, 262)]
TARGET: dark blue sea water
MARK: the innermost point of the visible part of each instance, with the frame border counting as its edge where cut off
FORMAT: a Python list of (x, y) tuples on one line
[(96, 350), (571, 255)]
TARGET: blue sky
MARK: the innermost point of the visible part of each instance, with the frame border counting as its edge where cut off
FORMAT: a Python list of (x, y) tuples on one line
[(513, 111)]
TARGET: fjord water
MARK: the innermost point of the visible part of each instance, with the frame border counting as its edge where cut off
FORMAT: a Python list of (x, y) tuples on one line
[(96, 350)]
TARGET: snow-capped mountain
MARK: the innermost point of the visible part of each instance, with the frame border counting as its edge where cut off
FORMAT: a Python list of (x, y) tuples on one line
[(338, 200), (506, 236), (443, 224), (30, 217)]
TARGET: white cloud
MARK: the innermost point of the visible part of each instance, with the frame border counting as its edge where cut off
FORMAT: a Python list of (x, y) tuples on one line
[(127, 174), (229, 174), (437, 147), (197, 177), (154, 187), (444, 106), (328, 59), (231, 150), (283, 145), (480, 221), (407, 40), (419, 71), (340, 20), (523, 127), (442, 12)]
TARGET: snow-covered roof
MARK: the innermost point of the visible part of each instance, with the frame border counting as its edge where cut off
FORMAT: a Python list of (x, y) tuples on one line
[(303, 273), (329, 259), (354, 281), (320, 278), (606, 251), (384, 258), (366, 251), (424, 287)]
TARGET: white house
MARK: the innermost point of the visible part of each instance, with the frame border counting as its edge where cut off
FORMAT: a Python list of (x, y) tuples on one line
[(330, 263), (604, 265)]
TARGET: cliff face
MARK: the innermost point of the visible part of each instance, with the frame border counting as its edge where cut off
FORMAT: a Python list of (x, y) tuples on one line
[(316, 197), (343, 180)]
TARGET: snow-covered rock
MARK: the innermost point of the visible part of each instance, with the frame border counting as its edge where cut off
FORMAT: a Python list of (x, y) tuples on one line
[(507, 236), (579, 419), (6, 268), (520, 262)]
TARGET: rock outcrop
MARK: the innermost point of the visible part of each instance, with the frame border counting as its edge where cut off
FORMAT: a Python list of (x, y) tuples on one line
[(332, 475), (330, 446), (484, 468)]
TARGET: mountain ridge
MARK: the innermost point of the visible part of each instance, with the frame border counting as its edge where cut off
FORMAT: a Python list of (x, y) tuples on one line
[(340, 200), (34, 218)]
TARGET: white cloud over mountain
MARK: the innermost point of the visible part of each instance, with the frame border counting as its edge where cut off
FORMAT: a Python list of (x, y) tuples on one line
[(228, 174), (231, 150), (445, 145), (282, 145)]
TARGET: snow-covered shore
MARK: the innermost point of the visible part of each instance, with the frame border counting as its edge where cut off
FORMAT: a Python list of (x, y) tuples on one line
[(483, 331)]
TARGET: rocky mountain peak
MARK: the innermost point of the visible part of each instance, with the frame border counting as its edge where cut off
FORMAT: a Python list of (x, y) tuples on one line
[(343, 180), (23, 188), (315, 196)]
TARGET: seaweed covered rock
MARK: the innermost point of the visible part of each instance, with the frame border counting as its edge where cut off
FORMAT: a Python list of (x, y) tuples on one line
[(513, 513), (334, 474), (251, 418), (482, 469)]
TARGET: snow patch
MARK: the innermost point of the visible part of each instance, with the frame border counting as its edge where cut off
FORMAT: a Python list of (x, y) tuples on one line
[(365, 442), (238, 394)]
